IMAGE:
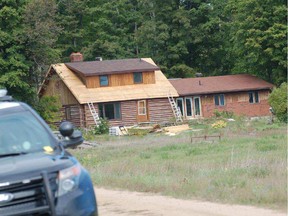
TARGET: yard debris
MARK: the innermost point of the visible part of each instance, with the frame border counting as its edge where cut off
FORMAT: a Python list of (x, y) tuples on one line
[(118, 131), (173, 130), (87, 144), (143, 130)]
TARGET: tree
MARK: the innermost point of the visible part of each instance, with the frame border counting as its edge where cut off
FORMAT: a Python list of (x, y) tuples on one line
[(40, 34), (14, 73), (111, 30), (258, 36), (278, 101), (74, 19)]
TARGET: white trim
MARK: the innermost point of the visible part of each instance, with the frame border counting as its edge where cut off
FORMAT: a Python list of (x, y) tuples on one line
[(200, 108), (140, 108), (182, 102), (186, 108)]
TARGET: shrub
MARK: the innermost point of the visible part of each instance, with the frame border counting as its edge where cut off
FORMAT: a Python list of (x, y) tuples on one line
[(224, 114), (278, 101), (102, 128), (219, 124), (49, 108)]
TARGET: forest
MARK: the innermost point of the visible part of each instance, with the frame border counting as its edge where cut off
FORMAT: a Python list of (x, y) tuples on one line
[(184, 37)]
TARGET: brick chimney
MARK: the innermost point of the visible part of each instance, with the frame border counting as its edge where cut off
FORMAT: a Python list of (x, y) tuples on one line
[(76, 57)]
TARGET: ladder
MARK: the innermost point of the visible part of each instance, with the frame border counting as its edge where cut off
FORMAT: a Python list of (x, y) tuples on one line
[(94, 113), (176, 110)]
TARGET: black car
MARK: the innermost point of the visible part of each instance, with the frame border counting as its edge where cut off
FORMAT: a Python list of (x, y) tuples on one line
[(37, 175)]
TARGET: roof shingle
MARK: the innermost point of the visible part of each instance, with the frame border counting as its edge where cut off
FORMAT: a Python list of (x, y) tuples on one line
[(93, 68), (219, 84)]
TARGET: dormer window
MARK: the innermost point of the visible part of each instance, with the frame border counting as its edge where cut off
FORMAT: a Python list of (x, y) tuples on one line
[(104, 80), (138, 77)]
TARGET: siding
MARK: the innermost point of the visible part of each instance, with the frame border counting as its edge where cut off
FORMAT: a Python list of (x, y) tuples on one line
[(238, 103), (160, 110), (120, 80), (57, 87), (76, 114)]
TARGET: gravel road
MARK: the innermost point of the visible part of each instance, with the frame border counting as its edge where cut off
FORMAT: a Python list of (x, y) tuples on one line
[(125, 203)]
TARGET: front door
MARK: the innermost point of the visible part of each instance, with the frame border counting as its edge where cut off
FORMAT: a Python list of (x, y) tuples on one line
[(142, 111)]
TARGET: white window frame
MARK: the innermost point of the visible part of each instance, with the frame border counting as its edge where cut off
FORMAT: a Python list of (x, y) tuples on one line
[(253, 97), (191, 102), (142, 110), (200, 108), (182, 102)]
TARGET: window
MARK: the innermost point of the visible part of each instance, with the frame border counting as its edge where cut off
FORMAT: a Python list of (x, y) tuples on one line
[(110, 111), (253, 97), (179, 102), (219, 100), (197, 106), (188, 106), (104, 80), (142, 107), (68, 113), (138, 77)]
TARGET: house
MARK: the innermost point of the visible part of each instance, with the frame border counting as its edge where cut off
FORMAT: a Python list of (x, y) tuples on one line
[(241, 94), (126, 92)]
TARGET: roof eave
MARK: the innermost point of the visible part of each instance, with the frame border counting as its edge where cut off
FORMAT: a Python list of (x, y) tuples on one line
[(226, 91), (118, 72)]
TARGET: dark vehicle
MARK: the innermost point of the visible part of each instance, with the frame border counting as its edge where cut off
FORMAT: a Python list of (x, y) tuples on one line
[(37, 175)]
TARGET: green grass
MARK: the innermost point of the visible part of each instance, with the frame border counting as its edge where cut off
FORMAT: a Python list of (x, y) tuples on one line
[(247, 166)]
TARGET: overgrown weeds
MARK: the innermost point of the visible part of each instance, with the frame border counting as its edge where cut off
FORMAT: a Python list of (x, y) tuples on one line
[(247, 166)]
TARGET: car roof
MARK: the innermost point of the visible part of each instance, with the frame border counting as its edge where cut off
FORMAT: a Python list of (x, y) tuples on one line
[(11, 107)]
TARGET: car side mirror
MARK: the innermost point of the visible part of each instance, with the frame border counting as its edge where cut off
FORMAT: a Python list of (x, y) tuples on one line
[(71, 137)]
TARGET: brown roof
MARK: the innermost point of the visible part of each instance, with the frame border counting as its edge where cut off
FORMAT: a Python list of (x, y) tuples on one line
[(111, 67), (218, 84)]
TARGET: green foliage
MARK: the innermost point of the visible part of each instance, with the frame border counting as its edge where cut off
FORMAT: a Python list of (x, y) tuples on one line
[(39, 34), (224, 114), (239, 169), (214, 37), (49, 108), (181, 71), (278, 101), (14, 68), (258, 34), (102, 128), (219, 124)]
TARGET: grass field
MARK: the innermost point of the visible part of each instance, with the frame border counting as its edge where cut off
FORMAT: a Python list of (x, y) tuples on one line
[(248, 165)]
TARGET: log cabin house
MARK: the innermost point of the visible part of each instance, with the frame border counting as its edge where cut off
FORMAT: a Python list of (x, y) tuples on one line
[(241, 94), (126, 92)]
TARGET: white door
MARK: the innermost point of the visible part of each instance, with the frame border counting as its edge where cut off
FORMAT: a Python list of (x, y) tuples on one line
[(189, 106), (179, 102)]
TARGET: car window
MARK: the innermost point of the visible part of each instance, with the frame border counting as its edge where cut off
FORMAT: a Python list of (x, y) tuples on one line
[(22, 132)]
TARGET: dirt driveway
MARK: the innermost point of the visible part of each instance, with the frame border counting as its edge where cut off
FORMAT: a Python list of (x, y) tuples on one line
[(112, 202)]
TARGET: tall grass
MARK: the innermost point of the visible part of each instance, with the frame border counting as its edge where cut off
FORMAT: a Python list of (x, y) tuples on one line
[(247, 166)]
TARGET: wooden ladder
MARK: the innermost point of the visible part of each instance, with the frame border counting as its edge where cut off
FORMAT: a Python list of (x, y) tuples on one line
[(176, 110), (94, 113)]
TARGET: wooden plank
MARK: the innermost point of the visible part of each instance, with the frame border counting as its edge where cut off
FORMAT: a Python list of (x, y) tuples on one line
[(160, 89)]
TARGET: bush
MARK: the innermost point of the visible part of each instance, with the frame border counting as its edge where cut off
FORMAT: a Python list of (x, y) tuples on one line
[(224, 114), (102, 128), (49, 108), (278, 102), (219, 124)]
